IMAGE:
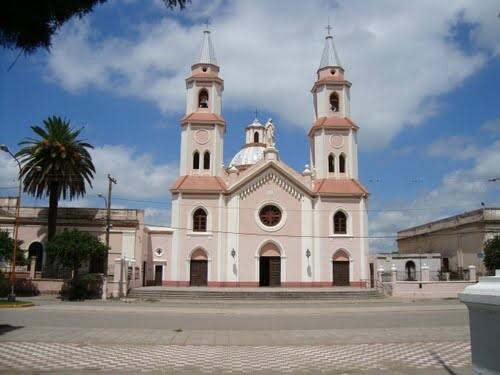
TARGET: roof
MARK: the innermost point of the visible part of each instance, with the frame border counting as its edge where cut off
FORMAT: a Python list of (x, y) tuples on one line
[(333, 122), (203, 117), (210, 184), (207, 53), (339, 187), (248, 155), (329, 56), (487, 215)]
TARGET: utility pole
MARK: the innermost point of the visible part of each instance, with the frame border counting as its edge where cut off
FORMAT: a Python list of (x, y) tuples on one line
[(111, 181)]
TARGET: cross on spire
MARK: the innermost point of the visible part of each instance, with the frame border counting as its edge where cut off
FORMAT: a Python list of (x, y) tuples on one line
[(329, 28), (207, 24), (256, 113)]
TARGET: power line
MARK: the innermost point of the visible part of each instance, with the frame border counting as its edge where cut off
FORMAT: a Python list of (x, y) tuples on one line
[(320, 237)]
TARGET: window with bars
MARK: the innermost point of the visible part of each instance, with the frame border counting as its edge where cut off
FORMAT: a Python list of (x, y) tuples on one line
[(340, 223), (200, 220), (270, 215)]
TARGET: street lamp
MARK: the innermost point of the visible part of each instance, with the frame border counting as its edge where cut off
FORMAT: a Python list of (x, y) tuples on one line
[(12, 295), (105, 200)]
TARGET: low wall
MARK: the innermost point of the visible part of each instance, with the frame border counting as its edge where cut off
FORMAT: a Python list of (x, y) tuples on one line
[(48, 286), (428, 289)]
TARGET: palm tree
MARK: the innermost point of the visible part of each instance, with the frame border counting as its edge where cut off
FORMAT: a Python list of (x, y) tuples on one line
[(56, 165)]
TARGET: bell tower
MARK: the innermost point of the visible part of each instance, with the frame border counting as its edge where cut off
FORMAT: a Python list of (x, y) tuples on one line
[(333, 136), (203, 128)]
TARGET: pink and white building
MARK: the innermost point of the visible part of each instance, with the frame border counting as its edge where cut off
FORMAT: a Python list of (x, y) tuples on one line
[(258, 221)]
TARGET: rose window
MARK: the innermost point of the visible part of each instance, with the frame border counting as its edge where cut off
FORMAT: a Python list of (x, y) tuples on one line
[(270, 215)]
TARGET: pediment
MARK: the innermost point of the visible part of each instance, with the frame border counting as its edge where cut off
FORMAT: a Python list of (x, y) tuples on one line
[(270, 172)]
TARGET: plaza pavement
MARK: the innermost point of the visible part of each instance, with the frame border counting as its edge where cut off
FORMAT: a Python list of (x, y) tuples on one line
[(362, 337)]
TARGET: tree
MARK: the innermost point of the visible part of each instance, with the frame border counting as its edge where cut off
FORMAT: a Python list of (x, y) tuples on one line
[(492, 254), (6, 246), (56, 165), (72, 248), (31, 24)]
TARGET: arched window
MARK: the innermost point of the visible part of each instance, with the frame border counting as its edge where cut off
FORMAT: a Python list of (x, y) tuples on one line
[(200, 220), (256, 137), (206, 160), (334, 102), (342, 164), (196, 160), (340, 223), (410, 271), (331, 163), (203, 99)]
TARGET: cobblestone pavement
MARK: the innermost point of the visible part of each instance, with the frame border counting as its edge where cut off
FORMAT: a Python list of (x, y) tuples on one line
[(390, 337), (49, 357)]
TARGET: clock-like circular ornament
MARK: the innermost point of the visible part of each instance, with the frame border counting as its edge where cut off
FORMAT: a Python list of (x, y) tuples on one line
[(201, 136)]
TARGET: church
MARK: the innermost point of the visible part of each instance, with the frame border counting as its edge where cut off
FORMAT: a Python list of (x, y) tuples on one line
[(253, 223), (257, 221)]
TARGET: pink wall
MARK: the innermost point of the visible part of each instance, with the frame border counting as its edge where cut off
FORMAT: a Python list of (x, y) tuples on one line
[(250, 244), (430, 289)]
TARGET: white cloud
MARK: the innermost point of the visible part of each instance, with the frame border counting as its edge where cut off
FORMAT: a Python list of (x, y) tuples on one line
[(492, 126), (400, 56), (8, 175), (138, 176), (455, 147), (157, 216), (140, 179), (459, 191)]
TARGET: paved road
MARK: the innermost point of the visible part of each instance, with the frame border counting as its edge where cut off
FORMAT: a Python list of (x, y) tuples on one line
[(179, 337)]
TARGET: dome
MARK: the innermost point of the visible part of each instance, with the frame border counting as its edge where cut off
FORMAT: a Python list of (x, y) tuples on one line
[(248, 156)]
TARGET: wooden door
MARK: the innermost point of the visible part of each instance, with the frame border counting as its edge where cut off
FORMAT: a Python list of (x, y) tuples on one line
[(274, 271), (199, 273), (372, 276), (340, 273), (158, 274)]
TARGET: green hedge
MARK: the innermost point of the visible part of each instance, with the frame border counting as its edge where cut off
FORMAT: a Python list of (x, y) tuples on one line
[(83, 287)]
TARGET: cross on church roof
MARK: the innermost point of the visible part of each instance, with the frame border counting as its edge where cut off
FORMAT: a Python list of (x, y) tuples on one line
[(207, 24), (329, 28), (256, 113)]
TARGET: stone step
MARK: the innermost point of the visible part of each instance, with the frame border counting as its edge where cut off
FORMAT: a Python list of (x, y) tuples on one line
[(253, 295)]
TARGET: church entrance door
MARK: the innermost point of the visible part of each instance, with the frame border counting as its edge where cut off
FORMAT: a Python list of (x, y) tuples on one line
[(158, 274), (198, 268), (199, 272), (270, 271), (270, 265), (340, 273)]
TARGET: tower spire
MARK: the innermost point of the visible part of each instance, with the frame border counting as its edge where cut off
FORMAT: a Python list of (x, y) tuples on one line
[(207, 53), (330, 56)]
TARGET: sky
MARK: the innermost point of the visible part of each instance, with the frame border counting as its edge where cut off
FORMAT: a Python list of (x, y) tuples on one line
[(425, 93)]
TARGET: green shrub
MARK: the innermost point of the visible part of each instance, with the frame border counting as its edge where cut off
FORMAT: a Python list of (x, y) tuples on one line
[(4, 286), (25, 288), (82, 287), (22, 287)]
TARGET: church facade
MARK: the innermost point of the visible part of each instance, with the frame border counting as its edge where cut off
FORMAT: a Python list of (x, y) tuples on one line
[(258, 222)]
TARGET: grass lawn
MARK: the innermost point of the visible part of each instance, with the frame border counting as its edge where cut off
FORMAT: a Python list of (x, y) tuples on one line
[(4, 304)]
